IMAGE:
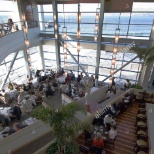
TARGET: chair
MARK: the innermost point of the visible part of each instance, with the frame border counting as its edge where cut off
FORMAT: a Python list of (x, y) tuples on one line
[(141, 149), (83, 149), (141, 132), (111, 142)]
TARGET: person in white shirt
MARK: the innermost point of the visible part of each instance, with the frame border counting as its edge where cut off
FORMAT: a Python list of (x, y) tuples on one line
[(113, 132), (108, 121)]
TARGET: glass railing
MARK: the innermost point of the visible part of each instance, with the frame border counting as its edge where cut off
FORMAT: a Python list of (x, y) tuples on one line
[(7, 29)]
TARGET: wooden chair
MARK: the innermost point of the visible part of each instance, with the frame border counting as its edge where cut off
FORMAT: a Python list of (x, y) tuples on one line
[(111, 142), (141, 149)]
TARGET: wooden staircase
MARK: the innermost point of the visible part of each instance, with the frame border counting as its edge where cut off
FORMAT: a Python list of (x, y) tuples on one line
[(126, 139)]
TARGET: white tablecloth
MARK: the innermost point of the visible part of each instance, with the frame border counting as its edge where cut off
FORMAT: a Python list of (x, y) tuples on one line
[(61, 79), (29, 121), (5, 111), (93, 89)]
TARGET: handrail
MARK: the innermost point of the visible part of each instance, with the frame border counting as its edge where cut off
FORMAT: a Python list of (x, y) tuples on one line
[(18, 25)]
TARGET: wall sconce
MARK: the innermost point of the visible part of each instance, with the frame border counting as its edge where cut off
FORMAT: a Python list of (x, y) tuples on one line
[(28, 52), (56, 26), (25, 30), (23, 17), (64, 32), (113, 61), (65, 55), (97, 14), (112, 71), (110, 81), (27, 42), (65, 45), (79, 17), (78, 47), (115, 49), (96, 28), (116, 38), (54, 17), (56, 36), (29, 59), (95, 38), (78, 33)]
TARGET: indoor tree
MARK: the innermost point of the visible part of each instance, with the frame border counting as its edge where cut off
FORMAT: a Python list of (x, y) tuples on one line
[(65, 127), (144, 54)]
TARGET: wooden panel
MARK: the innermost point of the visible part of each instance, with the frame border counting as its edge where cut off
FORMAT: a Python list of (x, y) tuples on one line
[(118, 5)]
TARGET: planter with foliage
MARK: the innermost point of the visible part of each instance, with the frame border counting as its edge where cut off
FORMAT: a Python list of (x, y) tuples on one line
[(65, 127), (136, 86)]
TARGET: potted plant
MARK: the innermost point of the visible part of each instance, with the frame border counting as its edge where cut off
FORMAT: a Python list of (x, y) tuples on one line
[(64, 126)]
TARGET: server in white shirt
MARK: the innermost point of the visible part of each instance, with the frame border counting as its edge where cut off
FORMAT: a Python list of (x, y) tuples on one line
[(108, 121), (113, 132)]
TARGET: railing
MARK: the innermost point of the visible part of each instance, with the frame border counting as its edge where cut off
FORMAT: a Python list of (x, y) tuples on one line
[(6, 29)]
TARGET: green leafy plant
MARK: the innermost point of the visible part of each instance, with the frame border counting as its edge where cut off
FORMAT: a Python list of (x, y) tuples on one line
[(145, 54), (136, 86), (65, 127)]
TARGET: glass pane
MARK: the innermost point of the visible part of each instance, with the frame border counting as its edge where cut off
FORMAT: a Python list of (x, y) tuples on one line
[(49, 48), (109, 29), (111, 18), (20, 54), (88, 17), (33, 50), (104, 71), (137, 18), (106, 55), (68, 7), (9, 57), (139, 6), (69, 17), (47, 8), (105, 63), (124, 18), (140, 30), (6, 6), (89, 7), (2, 70), (50, 56), (128, 75), (34, 57), (90, 29), (47, 17)]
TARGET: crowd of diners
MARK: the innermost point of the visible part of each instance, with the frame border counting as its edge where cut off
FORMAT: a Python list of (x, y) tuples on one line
[(104, 129), (22, 98)]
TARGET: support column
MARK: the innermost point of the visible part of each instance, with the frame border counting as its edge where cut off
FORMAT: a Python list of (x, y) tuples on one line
[(27, 65), (7, 74), (42, 17), (56, 32), (40, 51), (99, 37)]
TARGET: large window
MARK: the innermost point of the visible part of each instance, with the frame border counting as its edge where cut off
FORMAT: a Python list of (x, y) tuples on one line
[(49, 56)]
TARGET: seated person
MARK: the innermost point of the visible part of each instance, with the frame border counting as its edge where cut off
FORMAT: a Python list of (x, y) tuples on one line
[(16, 111), (49, 91), (81, 93), (98, 121), (113, 132), (87, 135), (8, 131), (10, 86), (71, 75), (127, 84), (16, 126), (4, 120), (67, 80), (27, 105), (69, 90), (98, 144), (41, 86), (108, 121), (78, 79)]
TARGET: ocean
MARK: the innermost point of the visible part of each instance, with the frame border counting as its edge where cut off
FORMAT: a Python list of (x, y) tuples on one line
[(139, 25)]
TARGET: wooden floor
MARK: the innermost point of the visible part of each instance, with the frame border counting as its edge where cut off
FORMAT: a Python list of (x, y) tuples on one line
[(126, 138)]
